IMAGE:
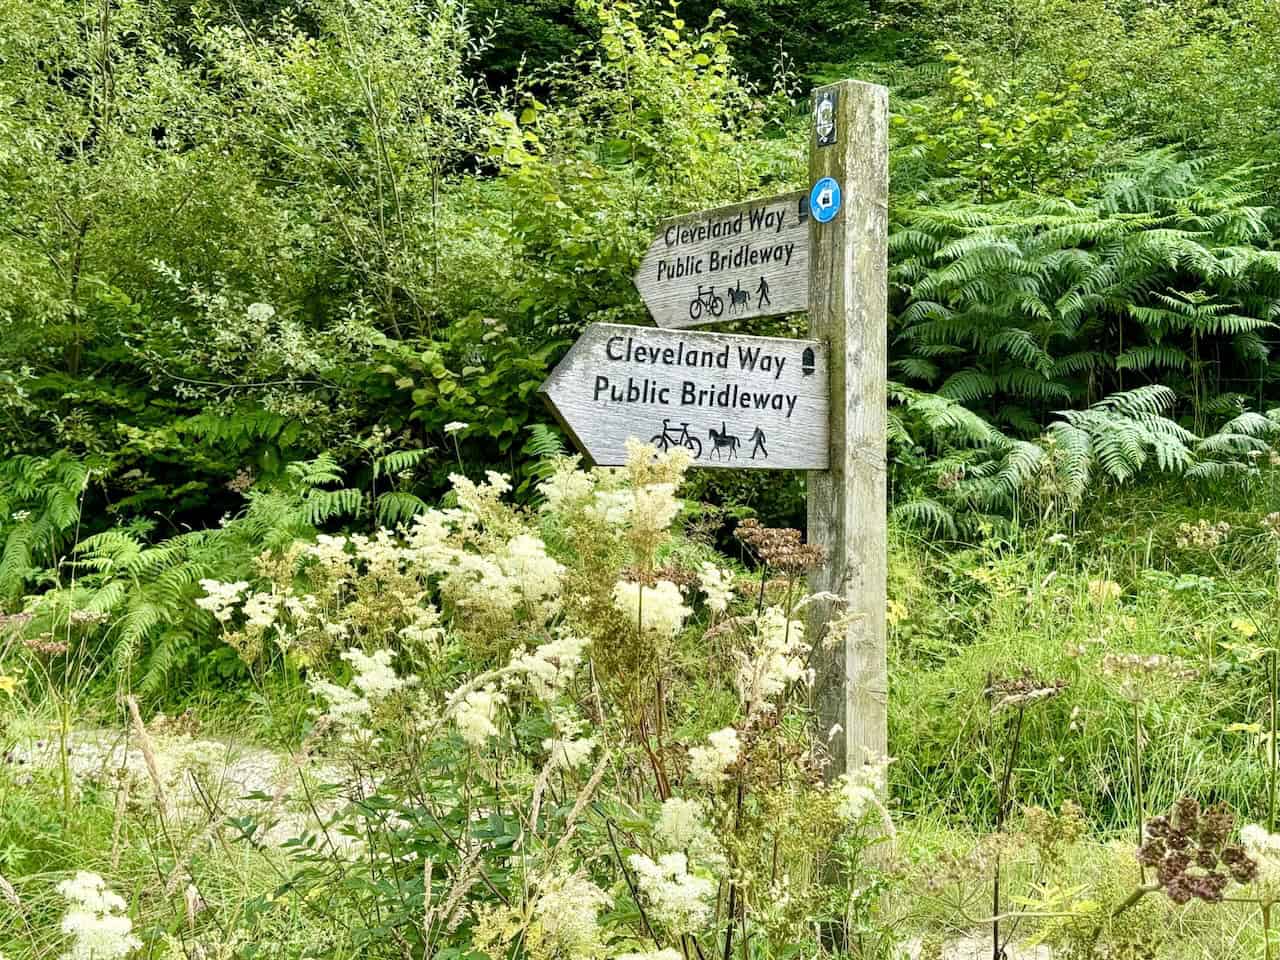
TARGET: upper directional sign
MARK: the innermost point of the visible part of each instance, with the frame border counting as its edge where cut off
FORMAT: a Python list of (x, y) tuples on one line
[(747, 260), (731, 401)]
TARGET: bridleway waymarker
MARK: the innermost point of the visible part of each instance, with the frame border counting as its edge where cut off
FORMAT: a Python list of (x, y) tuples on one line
[(732, 263), (728, 400)]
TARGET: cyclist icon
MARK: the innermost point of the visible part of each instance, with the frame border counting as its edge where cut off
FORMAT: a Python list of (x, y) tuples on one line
[(706, 300), (669, 438)]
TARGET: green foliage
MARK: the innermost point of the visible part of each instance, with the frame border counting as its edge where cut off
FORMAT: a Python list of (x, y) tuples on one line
[(40, 501), (996, 142), (1123, 578), (1020, 307)]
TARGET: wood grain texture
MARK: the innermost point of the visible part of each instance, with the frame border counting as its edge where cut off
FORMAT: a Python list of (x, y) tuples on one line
[(619, 382), (847, 504), (731, 263)]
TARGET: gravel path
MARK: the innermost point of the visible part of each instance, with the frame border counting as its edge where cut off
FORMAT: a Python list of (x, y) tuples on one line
[(200, 779)]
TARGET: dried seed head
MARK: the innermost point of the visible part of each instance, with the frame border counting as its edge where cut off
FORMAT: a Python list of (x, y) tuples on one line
[(1202, 535), (1190, 853), (780, 547), (1021, 691)]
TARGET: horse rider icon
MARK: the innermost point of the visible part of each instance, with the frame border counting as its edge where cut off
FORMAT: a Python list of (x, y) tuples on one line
[(762, 293), (757, 438)]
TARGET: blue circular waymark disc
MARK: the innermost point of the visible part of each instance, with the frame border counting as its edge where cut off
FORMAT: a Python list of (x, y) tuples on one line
[(824, 200)]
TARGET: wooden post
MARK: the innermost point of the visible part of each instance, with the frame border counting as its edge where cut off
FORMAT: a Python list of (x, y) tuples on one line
[(848, 293)]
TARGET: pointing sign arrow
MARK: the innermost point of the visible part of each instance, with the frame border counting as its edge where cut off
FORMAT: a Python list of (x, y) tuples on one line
[(731, 401), (731, 263)]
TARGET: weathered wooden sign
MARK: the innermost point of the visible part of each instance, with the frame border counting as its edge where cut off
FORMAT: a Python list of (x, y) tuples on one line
[(731, 401), (737, 401), (747, 260)]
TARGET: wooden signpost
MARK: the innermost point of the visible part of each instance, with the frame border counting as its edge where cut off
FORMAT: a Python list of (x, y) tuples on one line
[(732, 263), (848, 303), (760, 402)]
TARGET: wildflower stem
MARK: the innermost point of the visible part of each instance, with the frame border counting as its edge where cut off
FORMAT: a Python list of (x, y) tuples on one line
[(1271, 769), (1120, 908), (64, 756), (1137, 781), (1133, 898), (631, 885), (1001, 810), (1266, 925)]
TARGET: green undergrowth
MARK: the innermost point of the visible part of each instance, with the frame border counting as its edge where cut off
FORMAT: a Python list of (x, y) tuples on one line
[(1123, 579)]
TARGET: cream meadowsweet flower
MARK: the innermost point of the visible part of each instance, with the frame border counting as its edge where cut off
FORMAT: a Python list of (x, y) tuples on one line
[(859, 790), (717, 586), (569, 749), (220, 598), (331, 553), (95, 920), (707, 764), (551, 666), (611, 507), (374, 675), (666, 954), (453, 426), (677, 899), (566, 487), (567, 753), (567, 911), (425, 627), (374, 680), (476, 714), (260, 610), (778, 661), (346, 708), (534, 573), (659, 609), (682, 826)]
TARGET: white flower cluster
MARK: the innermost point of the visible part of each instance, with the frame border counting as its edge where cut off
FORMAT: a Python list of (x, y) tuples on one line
[(496, 582), (666, 954), (476, 713), (374, 680), (261, 609), (1264, 849), (332, 556), (640, 498), (678, 899), (95, 920), (659, 609), (859, 791), (569, 749), (717, 587), (654, 506), (425, 629), (778, 662), (534, 574), (567, 910), (568, 487), (221, 598), (544, 672), (682, 826), (708, 764), (550, 667), (611, 507)]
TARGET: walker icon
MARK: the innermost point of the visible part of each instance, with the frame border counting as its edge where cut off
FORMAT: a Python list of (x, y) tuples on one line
[(824, 200)]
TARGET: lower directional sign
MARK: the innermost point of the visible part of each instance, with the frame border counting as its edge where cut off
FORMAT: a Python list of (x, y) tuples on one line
[(731, 401)]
